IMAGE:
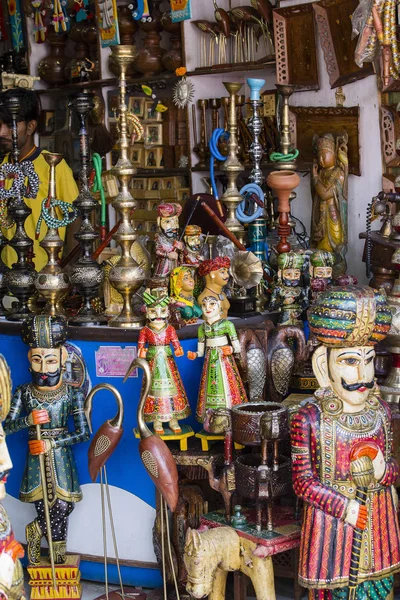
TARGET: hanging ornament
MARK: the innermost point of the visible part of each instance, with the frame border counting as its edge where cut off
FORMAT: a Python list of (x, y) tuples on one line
[(107, 22), (183, 90), (39, 29), (81, 11), (180, 10), (60, 19), (17, 35), (160, 107), (141, 10)]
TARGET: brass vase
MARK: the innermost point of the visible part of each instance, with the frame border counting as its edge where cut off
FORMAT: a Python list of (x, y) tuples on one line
[(51, 282), (126, 276), (232, 166)]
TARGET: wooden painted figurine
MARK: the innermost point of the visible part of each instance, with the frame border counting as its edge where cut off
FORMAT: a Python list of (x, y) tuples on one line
[(167, 246), (182, 294), (49, 402), (192, 254), (329, 193), (288, 294), (216, 274), (220, 384), (342, 454), (11, 574), (321, 263), (167, 400)]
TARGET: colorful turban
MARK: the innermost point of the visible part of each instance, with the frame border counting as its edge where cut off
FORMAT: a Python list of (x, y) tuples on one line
[(213, 264), (192, 230), (43, 331), (322, 258), (169, 210), (351, 316), (158, 297), (291, 260)]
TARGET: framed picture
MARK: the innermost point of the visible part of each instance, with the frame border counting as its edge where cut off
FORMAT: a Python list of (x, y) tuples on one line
[(63, 145), (151, 226), (47, 122), (150, 158), (137, 184), (139, 226), (160, 158), (154, 184), (153, 135), (152, 204), (141, 205), (113, 129), (113, 103), (48, 142), (136, 106), (150, 112), (183, 194), (168, 183), (136, 155)]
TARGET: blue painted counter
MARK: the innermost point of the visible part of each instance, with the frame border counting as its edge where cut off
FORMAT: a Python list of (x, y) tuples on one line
[(133, 493)]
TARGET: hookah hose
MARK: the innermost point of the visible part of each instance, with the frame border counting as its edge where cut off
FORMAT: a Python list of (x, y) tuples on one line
[(69, 215), (98, 187), (249, 190), (279, 157), (217, 134)]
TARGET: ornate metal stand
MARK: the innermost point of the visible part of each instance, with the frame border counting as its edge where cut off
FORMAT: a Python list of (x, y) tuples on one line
[(285, 91), (51, 282), (126, 276), (20, 279), (86, 274), (258, 227), (232, 166)]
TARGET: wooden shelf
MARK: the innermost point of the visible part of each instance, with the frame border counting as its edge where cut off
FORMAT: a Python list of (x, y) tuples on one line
[(70, 88), (162, 172)]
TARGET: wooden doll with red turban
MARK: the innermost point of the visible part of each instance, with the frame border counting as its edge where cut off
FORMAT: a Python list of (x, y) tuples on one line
[(216, 274)]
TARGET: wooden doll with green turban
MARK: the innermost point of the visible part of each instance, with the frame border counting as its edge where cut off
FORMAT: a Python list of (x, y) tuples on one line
[(288, 295), (321, 264), (49, 402), (342, 454)]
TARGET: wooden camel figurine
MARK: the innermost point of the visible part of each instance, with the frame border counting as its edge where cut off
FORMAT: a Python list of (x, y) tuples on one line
[(210, 555)]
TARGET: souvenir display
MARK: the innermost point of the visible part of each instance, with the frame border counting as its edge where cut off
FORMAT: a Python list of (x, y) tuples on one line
[(329, 191), (166, 401), (44, 406), (11, 574), (216, 276), (220, 385), (167, 244), (182, 294), (342, 453), (288, 294)]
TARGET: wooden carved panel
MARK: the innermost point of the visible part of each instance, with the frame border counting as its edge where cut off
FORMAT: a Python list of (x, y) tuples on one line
[(333, 18), (390, 132), (306, 121), (295, 47)]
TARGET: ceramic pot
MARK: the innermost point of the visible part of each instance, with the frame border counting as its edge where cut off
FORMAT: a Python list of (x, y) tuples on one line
[(148, 60), (172, 58), (282, 183)]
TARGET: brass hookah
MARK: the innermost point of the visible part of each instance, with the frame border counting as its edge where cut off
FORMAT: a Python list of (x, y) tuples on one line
[(232, 166), (86, 274), (20, 279), (126, 276), (51, 282)]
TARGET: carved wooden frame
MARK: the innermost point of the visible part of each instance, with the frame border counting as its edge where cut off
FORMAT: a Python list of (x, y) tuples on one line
[(286, 37), (334, 31), (390, 132), (305, 121)]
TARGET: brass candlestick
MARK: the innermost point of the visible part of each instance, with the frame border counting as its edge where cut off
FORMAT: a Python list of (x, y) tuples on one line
[(51, 282), (232, 166), (126, 276)]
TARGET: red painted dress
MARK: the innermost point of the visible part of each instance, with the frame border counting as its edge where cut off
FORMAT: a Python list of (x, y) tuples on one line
[(322, 437), (167, 397)]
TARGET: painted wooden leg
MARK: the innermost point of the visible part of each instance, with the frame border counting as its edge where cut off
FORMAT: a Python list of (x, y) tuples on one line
[(183, 445), (239, 586), (259, 515), (261, 574), (269, 513), (219, 585)]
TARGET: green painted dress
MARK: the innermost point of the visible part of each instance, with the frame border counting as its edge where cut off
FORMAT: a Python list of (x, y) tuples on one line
[(220, 384), (61, 475)]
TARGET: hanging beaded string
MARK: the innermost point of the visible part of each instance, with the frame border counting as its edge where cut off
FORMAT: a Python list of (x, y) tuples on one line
[(68, 211)]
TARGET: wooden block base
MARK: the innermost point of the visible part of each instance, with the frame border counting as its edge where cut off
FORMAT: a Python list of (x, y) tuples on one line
[(170, 436), (68, 579), (206, 438)]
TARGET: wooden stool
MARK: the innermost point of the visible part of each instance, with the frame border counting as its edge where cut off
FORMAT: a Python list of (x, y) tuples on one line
[(206, 437), (170, 436)]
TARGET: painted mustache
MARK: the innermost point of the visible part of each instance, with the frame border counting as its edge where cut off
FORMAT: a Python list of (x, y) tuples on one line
[(352, 387)]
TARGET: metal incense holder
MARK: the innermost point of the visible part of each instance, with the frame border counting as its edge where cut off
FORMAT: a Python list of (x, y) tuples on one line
[(86, 274), (126, 276), (20, 279), (232, 166), (51, 282)]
